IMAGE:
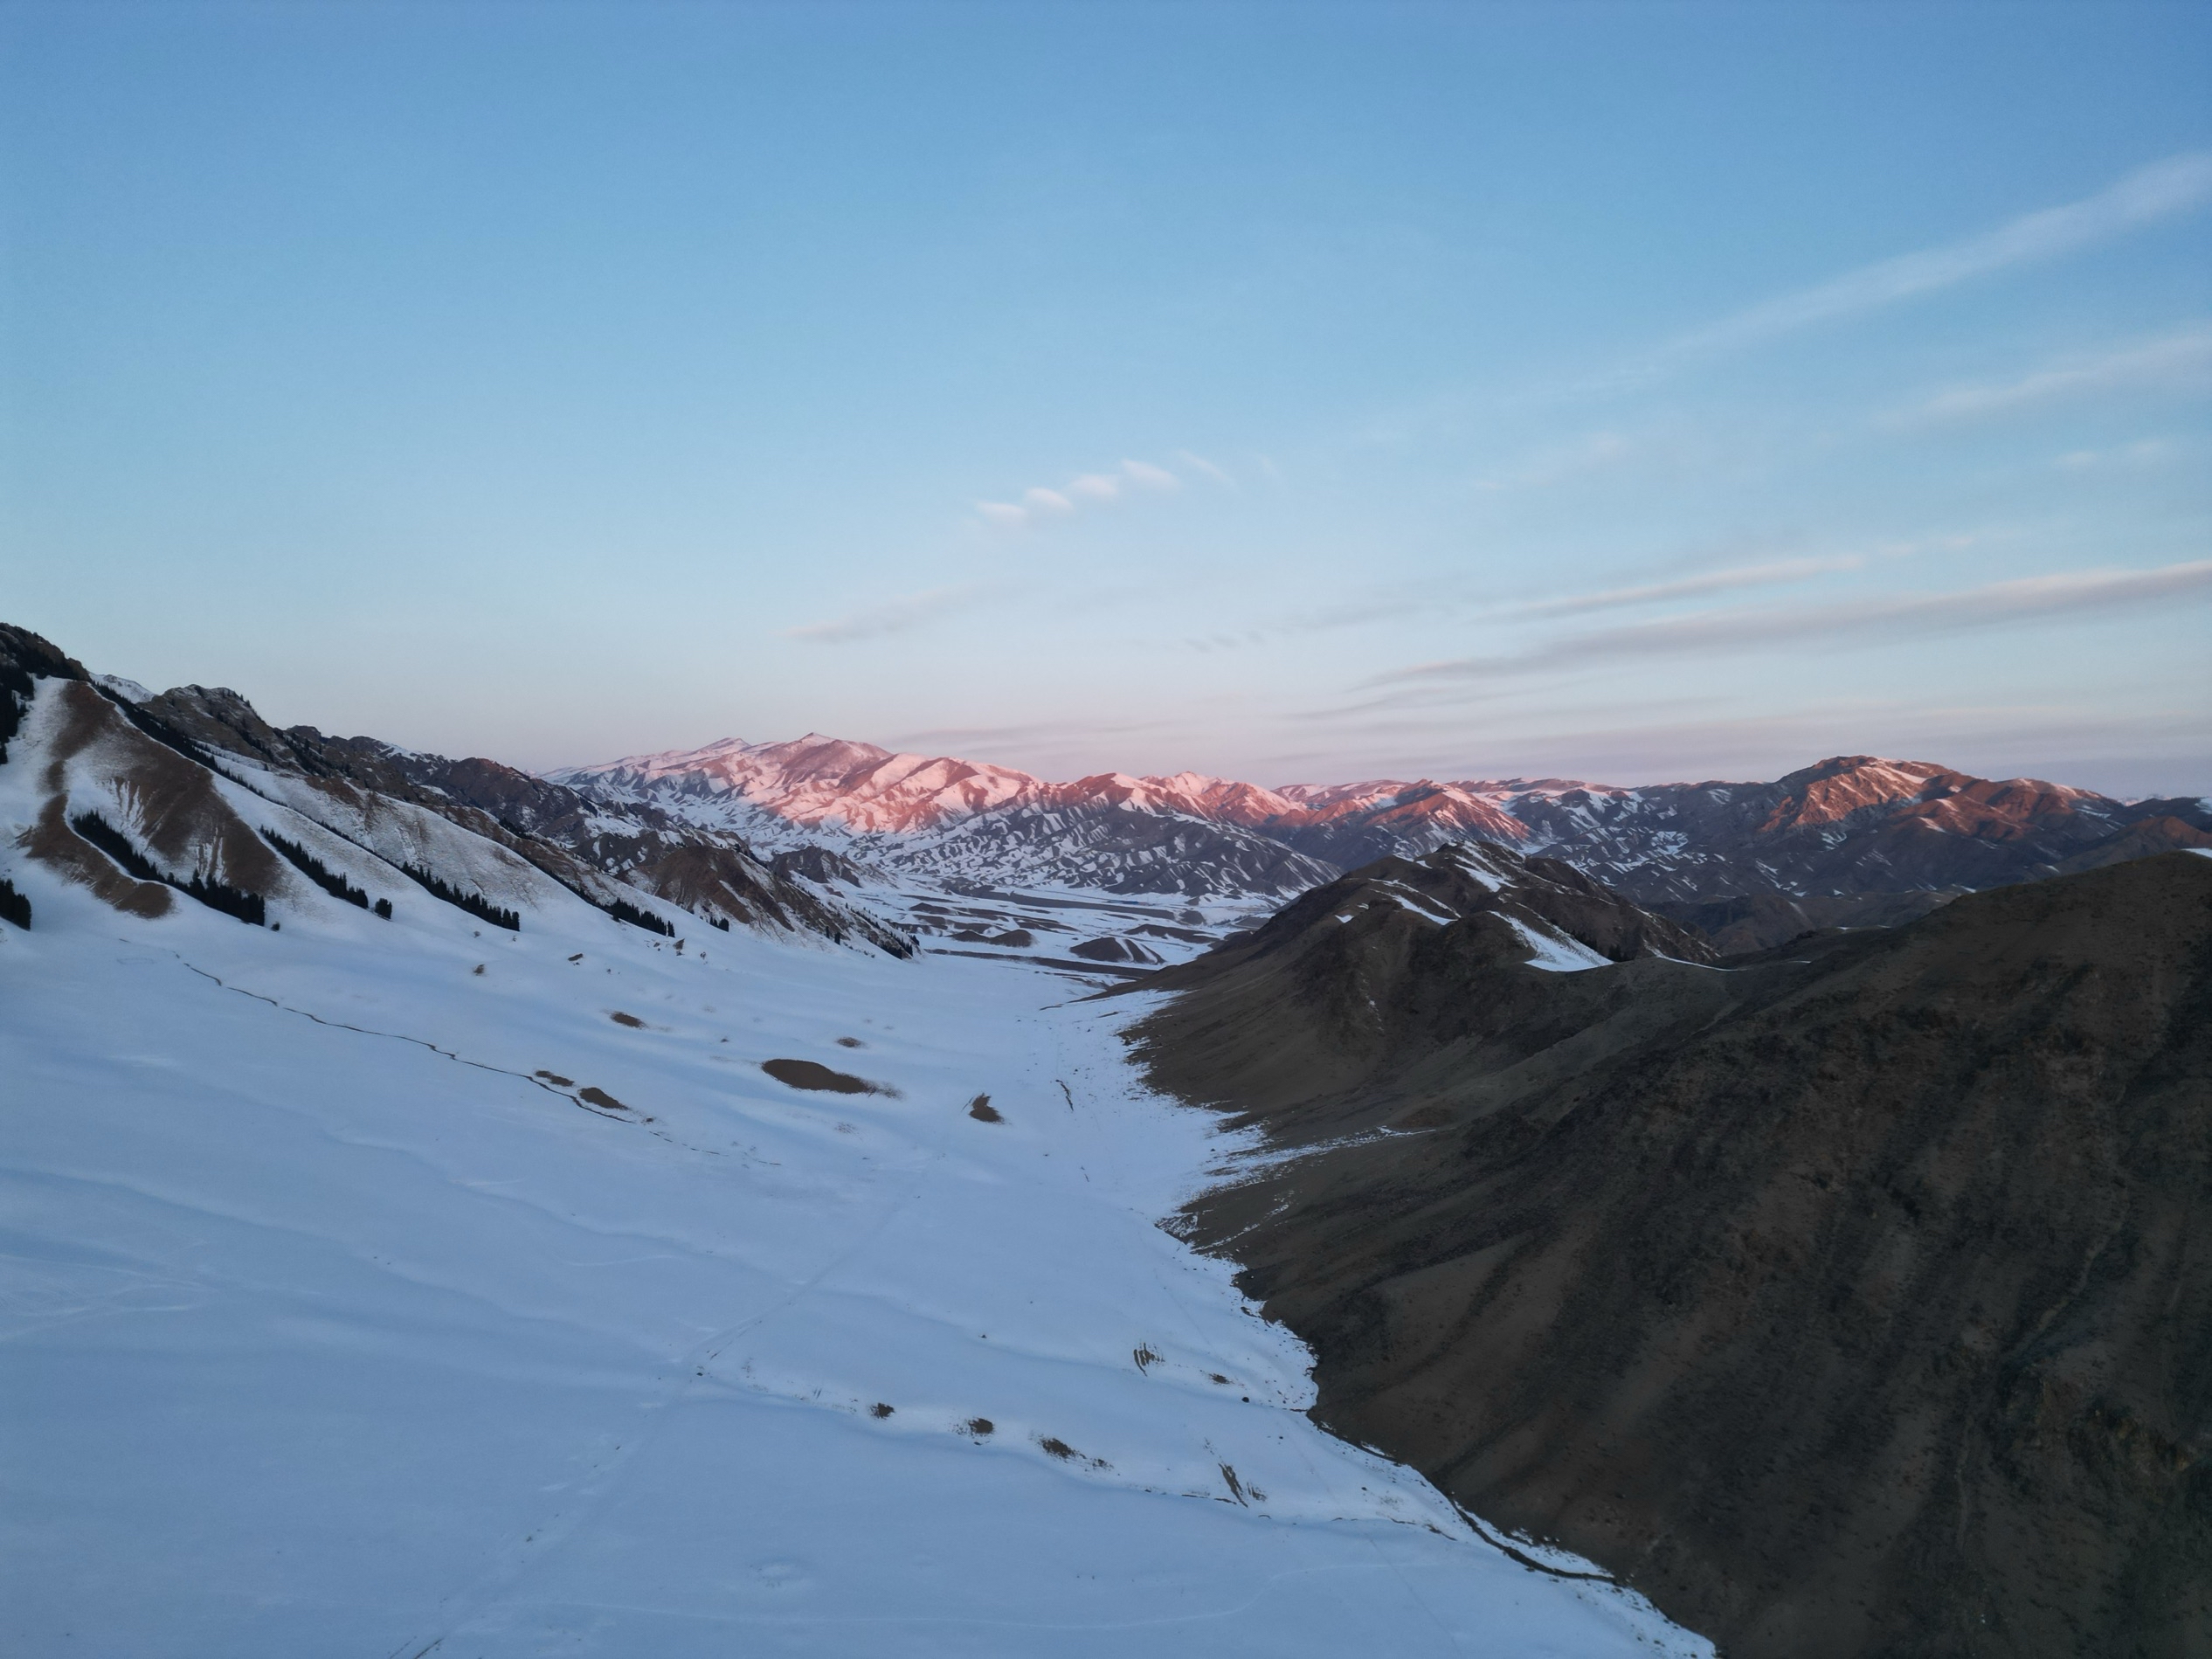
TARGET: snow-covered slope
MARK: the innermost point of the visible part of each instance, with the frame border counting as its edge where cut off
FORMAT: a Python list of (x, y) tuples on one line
[(412, 1285), (168, 757)]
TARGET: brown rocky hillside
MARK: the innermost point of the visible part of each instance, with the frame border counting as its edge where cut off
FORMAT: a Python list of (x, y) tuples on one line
[(1854, 1300)]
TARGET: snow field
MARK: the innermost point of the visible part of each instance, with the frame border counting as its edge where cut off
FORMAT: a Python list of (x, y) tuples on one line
[(327, 1325)]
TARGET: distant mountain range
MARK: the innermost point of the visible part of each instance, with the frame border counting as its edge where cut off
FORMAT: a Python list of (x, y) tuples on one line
[(856, 843), (1723, 855)]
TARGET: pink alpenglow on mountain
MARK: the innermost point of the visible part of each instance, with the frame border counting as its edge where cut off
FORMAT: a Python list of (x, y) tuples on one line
[(1851, 825)]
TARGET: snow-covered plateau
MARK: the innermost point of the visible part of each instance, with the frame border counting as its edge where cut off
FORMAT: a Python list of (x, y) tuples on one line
[(412, 1286)]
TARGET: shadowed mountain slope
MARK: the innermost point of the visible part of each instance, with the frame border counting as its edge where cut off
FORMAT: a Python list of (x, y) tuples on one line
[(1856, 1300)]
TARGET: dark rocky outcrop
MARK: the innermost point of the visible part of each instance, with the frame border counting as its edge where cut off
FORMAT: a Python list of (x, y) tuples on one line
[(1854, 1300)]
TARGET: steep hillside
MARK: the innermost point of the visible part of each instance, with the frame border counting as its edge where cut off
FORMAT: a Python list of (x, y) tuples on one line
[(376, 798), (1852, 1301), (122, 804)]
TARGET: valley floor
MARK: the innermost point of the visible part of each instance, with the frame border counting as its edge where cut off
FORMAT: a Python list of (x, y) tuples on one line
[(331, 1322)]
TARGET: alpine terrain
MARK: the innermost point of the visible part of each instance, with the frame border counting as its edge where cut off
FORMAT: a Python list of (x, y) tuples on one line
[(423, 1238), (714, 1203), (1852, 839)]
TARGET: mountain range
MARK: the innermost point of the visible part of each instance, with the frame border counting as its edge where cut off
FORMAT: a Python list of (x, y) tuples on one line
[(1843, 1296), (1887, 837), (852, 841)]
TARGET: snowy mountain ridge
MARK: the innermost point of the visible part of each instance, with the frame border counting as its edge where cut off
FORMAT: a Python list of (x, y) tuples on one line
[(174, 755), (1849, 825)]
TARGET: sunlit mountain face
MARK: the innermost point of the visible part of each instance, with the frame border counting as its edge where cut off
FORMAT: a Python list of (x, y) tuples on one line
[(1849, 826)]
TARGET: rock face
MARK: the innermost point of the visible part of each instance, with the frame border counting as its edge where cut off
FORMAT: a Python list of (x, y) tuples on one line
[(1851, 826), (1857, 1300)]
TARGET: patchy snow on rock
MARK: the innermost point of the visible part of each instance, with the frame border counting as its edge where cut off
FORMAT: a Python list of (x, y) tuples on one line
[(1420, 904), (1555, 952), (128, 690)]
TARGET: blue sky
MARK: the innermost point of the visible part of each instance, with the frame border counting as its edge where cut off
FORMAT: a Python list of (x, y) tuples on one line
[(1295, 392)]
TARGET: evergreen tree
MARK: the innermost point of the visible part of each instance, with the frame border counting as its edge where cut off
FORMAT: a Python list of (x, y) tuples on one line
[(315, 870), (217, 895)]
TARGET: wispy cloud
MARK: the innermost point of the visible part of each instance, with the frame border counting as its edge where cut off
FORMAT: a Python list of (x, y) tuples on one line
[(2142, 453), (2065, 593), (1748, 575), (2166, 189), (1680, 742), (1423, 600), (1042, 504), (893, 616), (2178, 361), (1207, 468)]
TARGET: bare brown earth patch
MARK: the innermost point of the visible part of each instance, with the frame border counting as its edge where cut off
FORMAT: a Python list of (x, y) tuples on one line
[(629, 1019), (1053, 1446), (556, 1079), (599, 1097), (173, 802), (54, 844), (812, 1073), (850, 1042), (983, 1111)]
